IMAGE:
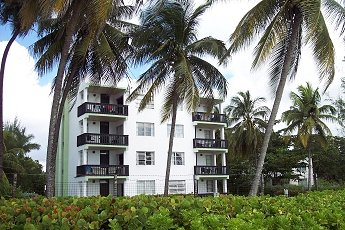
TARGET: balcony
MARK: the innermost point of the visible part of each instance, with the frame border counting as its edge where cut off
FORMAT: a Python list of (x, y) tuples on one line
[(209, 117), (102, 139), (210, 170), (99, 108), (210, 143), (98, 170)]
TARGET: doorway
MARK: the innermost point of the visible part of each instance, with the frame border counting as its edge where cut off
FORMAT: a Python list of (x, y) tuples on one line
[(105, 98), (104, 187)]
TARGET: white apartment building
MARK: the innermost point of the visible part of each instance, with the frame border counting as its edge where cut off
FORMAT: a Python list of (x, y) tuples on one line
[(107, 147)]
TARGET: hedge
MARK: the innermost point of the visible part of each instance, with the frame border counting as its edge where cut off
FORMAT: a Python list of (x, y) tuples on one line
[(314, 210)]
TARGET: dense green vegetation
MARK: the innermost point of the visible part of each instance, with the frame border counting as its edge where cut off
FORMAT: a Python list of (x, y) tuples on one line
[(29, 173), (314, 210)]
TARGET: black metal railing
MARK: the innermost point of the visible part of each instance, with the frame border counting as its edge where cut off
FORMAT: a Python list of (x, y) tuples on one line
[(102, 139), (99, 170), (210, 170), (209, 117), (100, 108), (210, 143)]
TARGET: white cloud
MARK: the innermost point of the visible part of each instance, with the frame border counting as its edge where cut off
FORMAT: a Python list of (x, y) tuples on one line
[(25, 98)]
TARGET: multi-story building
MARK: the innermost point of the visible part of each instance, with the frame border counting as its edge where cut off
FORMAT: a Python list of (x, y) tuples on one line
[(107, 147)]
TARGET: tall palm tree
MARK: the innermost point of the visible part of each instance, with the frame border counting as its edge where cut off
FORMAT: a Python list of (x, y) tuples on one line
[(167, 42), (307, 116), (21, 15), (282, 25), (68, 38), (246, 118)]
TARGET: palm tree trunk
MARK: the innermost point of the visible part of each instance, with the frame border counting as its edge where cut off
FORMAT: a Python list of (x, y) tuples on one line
[(171, 142), (51, 152), (310, 171), (2, 75), (279, 93)]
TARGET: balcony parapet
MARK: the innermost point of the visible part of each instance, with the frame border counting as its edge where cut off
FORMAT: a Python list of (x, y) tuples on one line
[(210, 170), (210, 143), (102, 139), (209, 117), (101, 108), (100, 170)]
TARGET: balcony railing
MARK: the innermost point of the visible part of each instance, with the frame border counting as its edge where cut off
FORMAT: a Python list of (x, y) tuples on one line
[(210, 143), (99, 170), (100, 108), (210, 170), (209, 117), (102, 139)]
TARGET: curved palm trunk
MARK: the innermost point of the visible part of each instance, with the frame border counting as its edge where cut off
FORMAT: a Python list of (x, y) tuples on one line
[(2, 75), (171, 142), (279, 93), (65, 91), (51, 152)]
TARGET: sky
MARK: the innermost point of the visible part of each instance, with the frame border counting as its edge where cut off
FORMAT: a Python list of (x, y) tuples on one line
[(27, 96)]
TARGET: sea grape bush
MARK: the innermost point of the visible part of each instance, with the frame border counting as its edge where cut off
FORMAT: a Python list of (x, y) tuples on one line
[(314, 210)]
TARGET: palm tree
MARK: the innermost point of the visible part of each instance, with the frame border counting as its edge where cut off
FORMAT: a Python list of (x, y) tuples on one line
[(283, 24), (22, 15), (83, 47), (246, 117), (9, 13), (167, 42), (306, 115), (77, 28)]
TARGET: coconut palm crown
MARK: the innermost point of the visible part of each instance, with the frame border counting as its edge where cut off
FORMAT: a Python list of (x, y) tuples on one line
[(246, 118)]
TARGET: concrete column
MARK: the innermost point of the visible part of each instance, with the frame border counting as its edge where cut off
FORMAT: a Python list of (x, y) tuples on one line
[(85, 92), (84, 125), (214, 159), (84, 188), (215, 186), (84, 157), (223, 159), (225, 186)]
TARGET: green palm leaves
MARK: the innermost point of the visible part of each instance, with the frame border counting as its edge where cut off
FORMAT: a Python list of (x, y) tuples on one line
[(167, 42), (282, 27), (307, 115), (247, 120)]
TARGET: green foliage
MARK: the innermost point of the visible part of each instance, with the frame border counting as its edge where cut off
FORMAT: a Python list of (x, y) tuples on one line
[(246, 120), (17, 144), (5, 187), (313, 210)]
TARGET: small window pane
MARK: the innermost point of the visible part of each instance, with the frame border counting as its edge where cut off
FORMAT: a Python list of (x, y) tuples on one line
[(179, 133)]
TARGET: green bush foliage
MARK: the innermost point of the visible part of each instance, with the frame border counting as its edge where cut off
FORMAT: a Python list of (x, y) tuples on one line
[(313, 210)]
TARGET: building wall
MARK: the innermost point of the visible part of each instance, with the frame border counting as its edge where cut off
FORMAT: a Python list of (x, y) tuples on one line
[(157, 144)]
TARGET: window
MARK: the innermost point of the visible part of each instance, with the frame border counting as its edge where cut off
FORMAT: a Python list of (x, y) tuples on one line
[(150, 105), (209, 186), (145, 158), (146, 187), (145, 129), (177, 158), (177, 187), (179, 133)]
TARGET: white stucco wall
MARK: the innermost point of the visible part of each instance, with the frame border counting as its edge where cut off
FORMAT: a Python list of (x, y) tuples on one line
[(157, 144)]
